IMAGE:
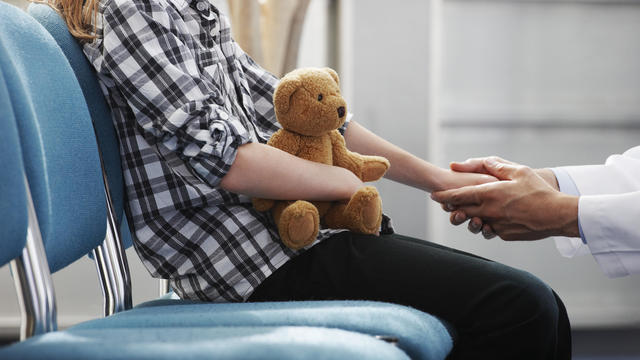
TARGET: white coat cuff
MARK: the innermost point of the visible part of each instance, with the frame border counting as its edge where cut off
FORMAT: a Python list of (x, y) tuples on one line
[(612, 242)]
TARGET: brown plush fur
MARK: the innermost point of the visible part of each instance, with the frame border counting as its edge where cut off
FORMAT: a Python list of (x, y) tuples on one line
[(310, 108)]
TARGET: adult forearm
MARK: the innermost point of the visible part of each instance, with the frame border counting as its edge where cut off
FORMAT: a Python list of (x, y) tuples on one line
[(266, 172)]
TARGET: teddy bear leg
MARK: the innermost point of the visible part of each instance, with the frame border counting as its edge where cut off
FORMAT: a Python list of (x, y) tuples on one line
[(362, 214), (334, 218), (298, 223)]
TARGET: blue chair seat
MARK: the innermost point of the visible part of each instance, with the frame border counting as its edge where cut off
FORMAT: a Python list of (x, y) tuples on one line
[(420, 335), (241, 343)]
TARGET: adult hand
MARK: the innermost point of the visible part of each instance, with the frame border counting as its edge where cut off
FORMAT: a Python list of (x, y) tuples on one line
[(477, 165), (522, 207), (453, 179)]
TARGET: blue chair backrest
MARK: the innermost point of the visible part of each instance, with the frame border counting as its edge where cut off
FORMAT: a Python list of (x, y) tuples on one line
[(57, 138), (13, 201), (98, 107)]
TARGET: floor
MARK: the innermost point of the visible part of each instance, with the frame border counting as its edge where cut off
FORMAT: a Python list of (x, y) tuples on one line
[(606, 344)]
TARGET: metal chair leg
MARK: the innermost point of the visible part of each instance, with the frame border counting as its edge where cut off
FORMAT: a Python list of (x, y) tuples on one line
[(111, 262), (163, 287), (32, 279)]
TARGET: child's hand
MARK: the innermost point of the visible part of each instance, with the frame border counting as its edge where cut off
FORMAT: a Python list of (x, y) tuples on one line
[(453, 180)]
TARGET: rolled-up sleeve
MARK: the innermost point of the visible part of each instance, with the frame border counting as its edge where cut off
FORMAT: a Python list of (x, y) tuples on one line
[(160, 77)]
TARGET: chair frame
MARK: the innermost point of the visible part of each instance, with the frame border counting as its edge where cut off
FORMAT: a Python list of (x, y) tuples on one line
[(111, 260), (33, 282)]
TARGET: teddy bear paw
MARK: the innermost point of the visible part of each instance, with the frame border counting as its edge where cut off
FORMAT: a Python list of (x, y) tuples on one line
[(366, 206), (374, 168), (299, 225)]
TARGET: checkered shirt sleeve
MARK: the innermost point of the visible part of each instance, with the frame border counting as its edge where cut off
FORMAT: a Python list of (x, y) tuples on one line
[(160, 76)]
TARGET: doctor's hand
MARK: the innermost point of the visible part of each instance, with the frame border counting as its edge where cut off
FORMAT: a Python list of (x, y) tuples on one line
[(524, 206), (477, 165)]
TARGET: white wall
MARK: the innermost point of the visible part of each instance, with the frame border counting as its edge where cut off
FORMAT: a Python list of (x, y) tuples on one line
[(510, 61), (390, 88), (544, 83)]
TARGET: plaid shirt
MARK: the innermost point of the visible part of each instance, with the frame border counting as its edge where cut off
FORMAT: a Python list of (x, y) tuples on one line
[(184, 98)]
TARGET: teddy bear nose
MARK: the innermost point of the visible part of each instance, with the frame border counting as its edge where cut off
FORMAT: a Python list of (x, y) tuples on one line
[(341, 111)]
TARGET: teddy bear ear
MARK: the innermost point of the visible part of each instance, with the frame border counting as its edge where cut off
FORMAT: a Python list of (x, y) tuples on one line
[(333, 74), (282, 96)]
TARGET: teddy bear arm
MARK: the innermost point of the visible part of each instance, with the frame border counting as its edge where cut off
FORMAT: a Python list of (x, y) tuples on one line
[(367, 168), (262, 204), (285, 141), (342, 157)]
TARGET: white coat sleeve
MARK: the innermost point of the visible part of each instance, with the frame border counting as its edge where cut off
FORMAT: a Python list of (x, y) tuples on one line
[(608, 211)]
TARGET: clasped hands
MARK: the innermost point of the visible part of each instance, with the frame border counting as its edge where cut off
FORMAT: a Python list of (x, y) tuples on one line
[(523, 204)]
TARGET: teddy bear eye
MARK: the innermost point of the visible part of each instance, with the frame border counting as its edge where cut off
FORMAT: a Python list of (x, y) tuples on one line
[(319, 97)]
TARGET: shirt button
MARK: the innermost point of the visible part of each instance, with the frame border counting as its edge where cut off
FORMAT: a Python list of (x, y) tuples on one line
[(201, 6), (222, 114)]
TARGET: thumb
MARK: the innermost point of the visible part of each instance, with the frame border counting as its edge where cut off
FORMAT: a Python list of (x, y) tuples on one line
[(500, 169), (469, 166)]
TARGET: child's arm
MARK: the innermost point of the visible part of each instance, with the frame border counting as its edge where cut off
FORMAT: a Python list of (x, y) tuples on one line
[(285, 141), (405, 167), (263, 171)]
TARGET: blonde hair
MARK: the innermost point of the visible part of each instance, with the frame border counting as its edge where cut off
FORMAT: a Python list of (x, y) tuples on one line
[(80, 16)]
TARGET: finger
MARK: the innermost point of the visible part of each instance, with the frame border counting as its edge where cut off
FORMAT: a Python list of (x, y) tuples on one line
[(476, 165), (470, 166), (499, 169), (475, 225), (448, 207), (488, 232), (483, 179), (474, 211), (457, 218), (463, 196)]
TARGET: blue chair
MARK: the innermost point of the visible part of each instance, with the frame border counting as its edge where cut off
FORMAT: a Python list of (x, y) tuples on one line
[(13, 207), (62, 166), (419, 334), (16, 214)]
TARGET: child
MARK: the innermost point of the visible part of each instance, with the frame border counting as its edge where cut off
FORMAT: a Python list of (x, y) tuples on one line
[(193, 113)]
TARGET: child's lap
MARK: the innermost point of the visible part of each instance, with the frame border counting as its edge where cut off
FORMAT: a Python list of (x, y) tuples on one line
[(397, 269)]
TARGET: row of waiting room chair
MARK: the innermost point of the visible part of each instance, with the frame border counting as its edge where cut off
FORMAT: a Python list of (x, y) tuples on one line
[(61, 190)]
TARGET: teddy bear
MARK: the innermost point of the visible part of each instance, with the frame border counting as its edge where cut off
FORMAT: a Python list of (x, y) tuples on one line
[(310, 109)]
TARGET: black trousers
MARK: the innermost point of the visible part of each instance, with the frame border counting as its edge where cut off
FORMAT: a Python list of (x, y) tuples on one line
[(496, 312)]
